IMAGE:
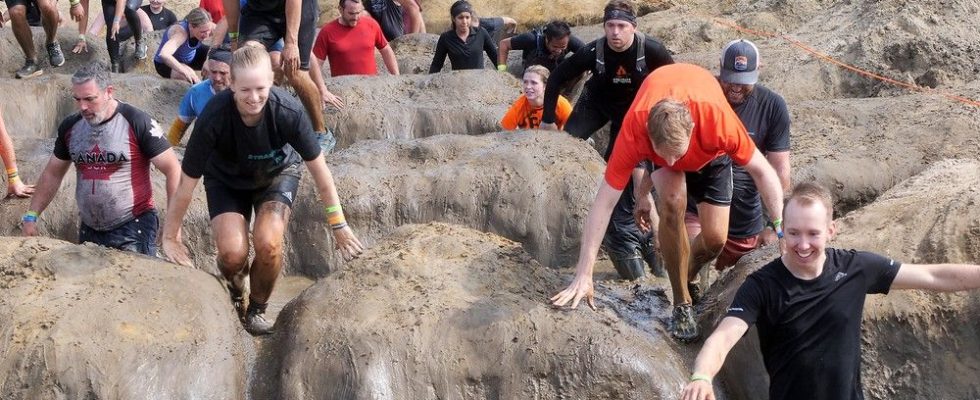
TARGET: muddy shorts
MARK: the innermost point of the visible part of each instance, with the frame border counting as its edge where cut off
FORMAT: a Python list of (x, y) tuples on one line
[(222, 199), (139, 235), (712, 184), (269, 29), (734, 249)]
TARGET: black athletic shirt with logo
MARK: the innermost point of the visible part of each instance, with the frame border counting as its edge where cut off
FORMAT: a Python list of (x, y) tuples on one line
[(766, 117), (249, 158), (810, 331), (535, 52), (617, 86), (160, 21)]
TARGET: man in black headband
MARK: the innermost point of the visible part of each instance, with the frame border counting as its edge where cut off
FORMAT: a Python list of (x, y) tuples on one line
[(219, 65), (619, 62)]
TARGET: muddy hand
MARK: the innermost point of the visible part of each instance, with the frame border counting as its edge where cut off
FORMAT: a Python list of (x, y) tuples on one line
[(290, 58), (580, 287), (698, 390), (114, 30), (176, 252), (331, 99), (347, 243), (19, 189), (641, 213), (80, 47), (29, 229)]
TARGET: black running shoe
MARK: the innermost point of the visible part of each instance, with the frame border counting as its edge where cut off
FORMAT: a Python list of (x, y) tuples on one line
[(683, 326), (255, 322), (29, 70), (55, 56)]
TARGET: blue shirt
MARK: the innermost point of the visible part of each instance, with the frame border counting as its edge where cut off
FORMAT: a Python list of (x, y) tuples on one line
[(194, 101)]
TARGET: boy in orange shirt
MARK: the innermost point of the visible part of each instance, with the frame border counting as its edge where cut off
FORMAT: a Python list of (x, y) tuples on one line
[(681, 122), (526, 112)]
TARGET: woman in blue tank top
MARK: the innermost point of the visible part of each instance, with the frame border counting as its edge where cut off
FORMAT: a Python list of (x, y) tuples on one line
[(181, 53)]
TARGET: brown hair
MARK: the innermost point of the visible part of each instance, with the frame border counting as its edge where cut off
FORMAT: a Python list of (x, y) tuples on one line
[(249, 56), (669, 124), (808, 193), (625, 5), (198, 17), (543, 72), (344, 3)]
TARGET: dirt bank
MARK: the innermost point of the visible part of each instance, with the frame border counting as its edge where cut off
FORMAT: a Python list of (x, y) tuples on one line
[(87, 322), (416, 316)]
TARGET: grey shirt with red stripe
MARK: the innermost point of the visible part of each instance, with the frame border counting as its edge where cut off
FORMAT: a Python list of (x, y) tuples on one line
[(112, 164)]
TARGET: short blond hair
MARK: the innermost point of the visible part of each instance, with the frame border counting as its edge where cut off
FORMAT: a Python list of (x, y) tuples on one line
[(669, 124), (543, 72), (249, 56), (808, 193)]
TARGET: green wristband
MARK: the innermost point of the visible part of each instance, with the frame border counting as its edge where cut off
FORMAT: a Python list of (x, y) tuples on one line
[(501, 67), (333, 209), (699, 377)]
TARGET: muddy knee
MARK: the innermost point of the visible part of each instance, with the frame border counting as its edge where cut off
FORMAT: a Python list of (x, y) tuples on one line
[(267, 247), (232, 261)]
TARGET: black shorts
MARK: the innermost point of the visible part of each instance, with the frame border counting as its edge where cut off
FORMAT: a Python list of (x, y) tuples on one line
[(26, 3), (712, 184), (268, 29), (197, 63), (222, 199)]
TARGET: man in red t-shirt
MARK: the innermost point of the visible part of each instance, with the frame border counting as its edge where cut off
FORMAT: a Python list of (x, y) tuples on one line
[(348, 43), (681, 122)]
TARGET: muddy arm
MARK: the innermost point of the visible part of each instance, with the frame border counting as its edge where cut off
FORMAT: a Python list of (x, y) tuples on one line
[(937, 277)]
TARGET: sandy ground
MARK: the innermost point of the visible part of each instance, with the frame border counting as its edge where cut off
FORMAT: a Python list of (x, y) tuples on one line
[(902, 165)]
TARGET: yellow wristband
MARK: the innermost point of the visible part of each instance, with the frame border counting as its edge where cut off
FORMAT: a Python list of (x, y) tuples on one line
[(699, 377), (501, 67), (336, 219)]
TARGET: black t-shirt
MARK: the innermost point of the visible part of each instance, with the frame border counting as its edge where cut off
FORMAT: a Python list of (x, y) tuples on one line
[(810, 331), (617, 86), (249, 158), (534, 51), (162, 20), (766, 117), (389, 16), (463, 55), (265, 7)]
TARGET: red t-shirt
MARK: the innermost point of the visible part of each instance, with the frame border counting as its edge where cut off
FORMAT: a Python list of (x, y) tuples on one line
[(717, 129), (215, 7), (350, 49)]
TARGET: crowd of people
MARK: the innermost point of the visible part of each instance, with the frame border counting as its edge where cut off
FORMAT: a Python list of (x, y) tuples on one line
[(698, 165)]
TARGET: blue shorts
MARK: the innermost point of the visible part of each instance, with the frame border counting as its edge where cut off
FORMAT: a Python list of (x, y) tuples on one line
[(139, 235)]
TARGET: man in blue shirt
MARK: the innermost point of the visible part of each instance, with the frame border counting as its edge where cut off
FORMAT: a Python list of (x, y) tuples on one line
[(219, 61)]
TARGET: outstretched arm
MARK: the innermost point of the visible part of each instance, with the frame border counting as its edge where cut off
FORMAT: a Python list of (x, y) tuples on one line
[(344, 239), (232, 12), (592, 233), (173, 247), (413, 14), (712, 357), (937, 277), (54, 172), (768, 183), (502, 51)]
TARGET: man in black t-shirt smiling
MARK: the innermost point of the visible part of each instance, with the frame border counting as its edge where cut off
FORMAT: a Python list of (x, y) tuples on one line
[(248, 144), (807, 306)]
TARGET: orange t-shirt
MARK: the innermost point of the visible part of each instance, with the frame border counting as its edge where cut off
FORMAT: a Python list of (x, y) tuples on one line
[(522, 115), (717, 129)]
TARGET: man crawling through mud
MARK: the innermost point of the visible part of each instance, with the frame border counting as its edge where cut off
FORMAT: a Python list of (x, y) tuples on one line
[(807, 306), (248, 144)]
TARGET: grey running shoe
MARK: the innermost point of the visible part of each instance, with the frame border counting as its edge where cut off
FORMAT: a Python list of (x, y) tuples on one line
[(29, 70), (55, 56), (255, 322), (141, 49), (682, 324), (326, 140)]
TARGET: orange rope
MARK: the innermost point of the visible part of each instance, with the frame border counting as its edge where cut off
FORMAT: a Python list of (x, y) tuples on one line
[(841, 64)]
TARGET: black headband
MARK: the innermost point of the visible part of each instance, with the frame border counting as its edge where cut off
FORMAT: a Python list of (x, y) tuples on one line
[(219, 54), (621, 15), (460, 7)]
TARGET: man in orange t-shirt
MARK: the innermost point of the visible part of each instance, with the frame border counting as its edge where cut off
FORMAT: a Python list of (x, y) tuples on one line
[(681, 122)]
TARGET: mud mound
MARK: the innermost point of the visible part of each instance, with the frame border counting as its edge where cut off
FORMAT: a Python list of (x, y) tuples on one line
[(414, 318), (413, 106), (531, 187), (87, 322), (34, 108), (860, 148)]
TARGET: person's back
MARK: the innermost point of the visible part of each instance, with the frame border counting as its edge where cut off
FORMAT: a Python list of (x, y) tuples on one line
[(388, 14)]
